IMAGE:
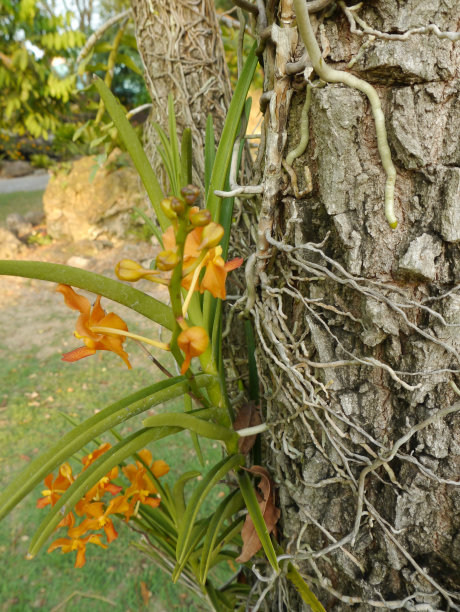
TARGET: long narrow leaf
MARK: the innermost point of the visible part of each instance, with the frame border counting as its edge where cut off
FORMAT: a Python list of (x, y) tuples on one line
[(135, 150), (226, 211), (195, 440), (198, 497), (76, 439), (197, 534), (186, 157), (173, 138), (209, 153), (92, 475), (83, 279), (224, 150), (229, 506), (178, 494), (304, 590), (167, 155), (188, 421)]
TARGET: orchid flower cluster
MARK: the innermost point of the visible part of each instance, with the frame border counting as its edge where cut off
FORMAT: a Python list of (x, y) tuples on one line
[(96, 510), (191, 257)]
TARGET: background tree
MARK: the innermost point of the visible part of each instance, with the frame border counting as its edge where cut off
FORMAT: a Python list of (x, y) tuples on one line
[(183, 54), (35, 97)]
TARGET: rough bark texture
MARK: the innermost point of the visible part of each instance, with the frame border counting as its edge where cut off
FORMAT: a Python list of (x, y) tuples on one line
[(359, 336), (180, 44)]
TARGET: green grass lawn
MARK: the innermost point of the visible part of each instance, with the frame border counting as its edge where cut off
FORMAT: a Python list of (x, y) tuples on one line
[(20, 202), (33, 392)]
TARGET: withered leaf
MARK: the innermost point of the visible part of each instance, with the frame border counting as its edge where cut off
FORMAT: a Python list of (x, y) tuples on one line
[(248, 416), (270, 513), (145, 593)]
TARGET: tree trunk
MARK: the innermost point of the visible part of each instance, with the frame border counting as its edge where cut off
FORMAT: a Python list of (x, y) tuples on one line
[(183, 54), (358, 324)]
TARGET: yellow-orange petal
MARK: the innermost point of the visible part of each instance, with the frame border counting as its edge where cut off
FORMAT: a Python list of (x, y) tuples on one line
[(78, 353), (114, 321), (160, 468), (233, 264), (73, 300), (146, 456), (97, 312)]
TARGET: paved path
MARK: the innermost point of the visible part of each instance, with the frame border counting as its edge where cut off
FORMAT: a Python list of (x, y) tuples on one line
[(33, 182)]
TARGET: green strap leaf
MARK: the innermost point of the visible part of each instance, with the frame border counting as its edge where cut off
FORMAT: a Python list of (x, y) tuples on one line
[(304, 590), (209, 153), (256, 515), (173, 140), (224, 150), (229, 506), (92, 475), (197, 425), (101, 285), (186, 157), (134, 148), (197, 499), (196, 442), (76, 439), (197, 534), (178, 494)]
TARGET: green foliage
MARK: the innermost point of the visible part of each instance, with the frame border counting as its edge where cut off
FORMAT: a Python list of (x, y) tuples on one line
[(34, 97)]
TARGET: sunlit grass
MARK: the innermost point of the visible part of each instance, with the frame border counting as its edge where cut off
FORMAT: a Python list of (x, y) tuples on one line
[(20, 202)]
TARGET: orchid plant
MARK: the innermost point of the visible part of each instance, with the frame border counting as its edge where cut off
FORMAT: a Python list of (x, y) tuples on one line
[(192, 265)]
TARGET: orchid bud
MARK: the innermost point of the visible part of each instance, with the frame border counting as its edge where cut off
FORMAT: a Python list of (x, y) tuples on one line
[(190, 194), (201, 218), (177, 206), (211, 236), (167, 260), (129, 270), (167, 208)]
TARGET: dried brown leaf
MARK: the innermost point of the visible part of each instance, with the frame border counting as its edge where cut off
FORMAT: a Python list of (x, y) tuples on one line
[(248, 416), (145, 593), (270, 513)]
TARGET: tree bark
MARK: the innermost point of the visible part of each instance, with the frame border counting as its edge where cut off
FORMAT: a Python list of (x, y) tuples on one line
[(358, 324), (183, 54)]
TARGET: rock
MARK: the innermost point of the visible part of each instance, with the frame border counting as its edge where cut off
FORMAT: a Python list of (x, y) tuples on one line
[(419, 260), (35, 217), (14, 169), (78, 208), (78, 262), (9, 244), (17, 224)]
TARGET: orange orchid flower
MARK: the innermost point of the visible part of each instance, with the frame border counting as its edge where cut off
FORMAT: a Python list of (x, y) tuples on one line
[(142, 489), (99, 518), (216, 273), (192, 243), (79, 544), (216, 268), (55, 488), (93, 317), (193, 341)]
